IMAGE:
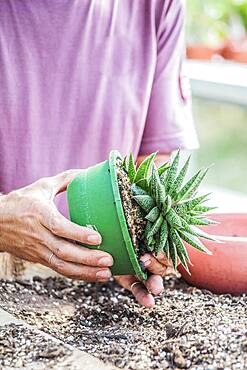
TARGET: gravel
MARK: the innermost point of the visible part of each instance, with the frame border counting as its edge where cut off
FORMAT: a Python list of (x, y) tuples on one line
[(133, 214), (21, 346), (188, 329)]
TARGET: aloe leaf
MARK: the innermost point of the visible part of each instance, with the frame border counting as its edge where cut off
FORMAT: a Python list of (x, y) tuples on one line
[(204, 221), (204, 209), (173, 254), (179, 179), (194, 213), (198, 182), (154, 182), (143, 169), (161, 196), (156, 226), (166, 250), (148, 227), (188, 205), (124, 164), (210, 222), (153, 214), (188, 186), (201, 234), (137, 190), (143, 184), (145, 202), (162, 237), (173, 219), (183, 261), (156, 188), (172, 171), (194, 241), (166, 206), (178, 243), (131, 168), (195, 220), (187, 227), (150, 244), (193, 230), (162, 169)]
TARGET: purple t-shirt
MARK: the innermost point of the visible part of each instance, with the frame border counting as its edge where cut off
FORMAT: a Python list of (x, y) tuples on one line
[(81, 77)]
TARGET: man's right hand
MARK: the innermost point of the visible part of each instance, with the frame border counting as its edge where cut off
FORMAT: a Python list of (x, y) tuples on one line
[(32, 228)]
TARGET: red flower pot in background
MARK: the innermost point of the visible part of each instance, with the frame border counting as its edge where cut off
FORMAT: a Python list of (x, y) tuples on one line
[(201, 52), (226, 270), (236, 51)]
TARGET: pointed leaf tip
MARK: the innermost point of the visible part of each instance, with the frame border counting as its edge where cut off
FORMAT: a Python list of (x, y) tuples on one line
[(194, 241), (131, 168), (153, 214), (145, 202), (156, 226), (180, 178), (173, 254), (162, 169), (143, 169), (172, 171)]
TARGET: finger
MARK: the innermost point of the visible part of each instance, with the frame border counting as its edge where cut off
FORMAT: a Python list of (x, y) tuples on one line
[(161, 257), (140, 292), (143, 296), (75, 270), (154, 284), (125, 280), (50, 186), (59, 225), (153, 265), (71, 252), (61, 181)]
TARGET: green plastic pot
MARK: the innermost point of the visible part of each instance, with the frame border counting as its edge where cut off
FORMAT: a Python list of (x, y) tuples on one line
[(94, 199)]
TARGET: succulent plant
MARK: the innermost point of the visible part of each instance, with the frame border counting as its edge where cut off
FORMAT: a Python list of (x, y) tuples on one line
[(172, 209)]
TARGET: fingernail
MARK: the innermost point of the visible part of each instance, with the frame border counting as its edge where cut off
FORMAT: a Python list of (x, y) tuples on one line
[(142, 266), (103, 274), (147, 263), (94, 238), (105, 261), (160, 255), (146, 260)]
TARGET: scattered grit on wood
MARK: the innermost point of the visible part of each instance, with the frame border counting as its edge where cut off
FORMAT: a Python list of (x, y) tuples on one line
[(133, 214), (21, 346), (188, 329)]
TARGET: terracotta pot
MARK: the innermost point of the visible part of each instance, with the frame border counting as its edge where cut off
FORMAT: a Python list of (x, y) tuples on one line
[(201, 52), (226, 270), (236, 51)]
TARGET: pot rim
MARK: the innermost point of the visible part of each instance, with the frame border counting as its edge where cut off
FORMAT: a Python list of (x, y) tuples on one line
[(238, 239), (230, 216)]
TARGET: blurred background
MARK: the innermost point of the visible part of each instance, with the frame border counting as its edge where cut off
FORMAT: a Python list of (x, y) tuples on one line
[(216, 33)]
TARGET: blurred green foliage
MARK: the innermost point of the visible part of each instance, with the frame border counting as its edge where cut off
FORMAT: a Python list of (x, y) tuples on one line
[(211, 22), (222, 131), (241, 8)]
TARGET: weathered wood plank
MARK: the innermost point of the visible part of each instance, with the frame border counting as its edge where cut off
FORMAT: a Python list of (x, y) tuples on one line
[(12, 268), (78, 359)]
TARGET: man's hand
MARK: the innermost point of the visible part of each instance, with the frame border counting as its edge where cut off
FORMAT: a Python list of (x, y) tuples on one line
[(32, 228), (145, 291)]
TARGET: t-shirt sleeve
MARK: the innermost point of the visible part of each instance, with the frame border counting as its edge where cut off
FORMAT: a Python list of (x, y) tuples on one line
[(169, 123)]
